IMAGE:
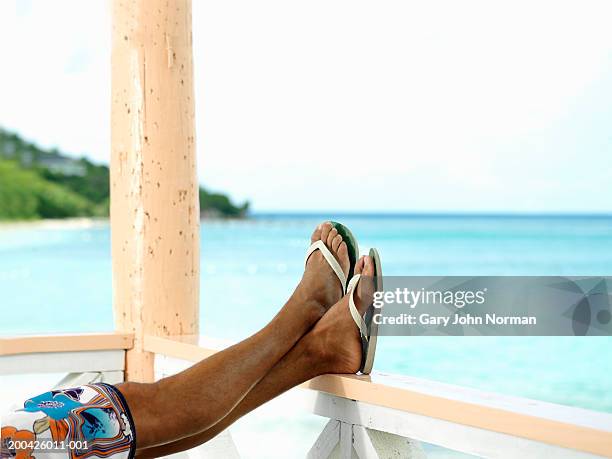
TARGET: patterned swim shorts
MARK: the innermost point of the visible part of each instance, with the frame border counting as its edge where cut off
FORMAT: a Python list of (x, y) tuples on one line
[(86, 421)]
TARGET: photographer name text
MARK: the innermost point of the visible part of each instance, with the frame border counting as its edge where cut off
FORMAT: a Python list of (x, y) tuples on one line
[(456, 319)]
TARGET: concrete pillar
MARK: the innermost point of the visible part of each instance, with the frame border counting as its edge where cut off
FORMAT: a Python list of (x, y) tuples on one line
[(154, 189)]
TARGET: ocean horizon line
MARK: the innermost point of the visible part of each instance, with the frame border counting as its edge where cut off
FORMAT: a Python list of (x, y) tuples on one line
[(425, 214), (83, 222)]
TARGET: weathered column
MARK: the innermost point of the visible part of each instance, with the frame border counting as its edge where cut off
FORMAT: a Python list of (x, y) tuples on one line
[(154, 188)]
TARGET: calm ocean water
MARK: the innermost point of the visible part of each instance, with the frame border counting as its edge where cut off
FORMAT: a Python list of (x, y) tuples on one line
[(58, 279)]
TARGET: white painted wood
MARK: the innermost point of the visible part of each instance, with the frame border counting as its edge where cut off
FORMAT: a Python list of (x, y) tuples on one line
[(362, 444), (374, 444), (470, 440), (167, 366), (63, 362), (112, 377), (326, 441), (459, 437), (78, 379), (537, 408), (346, 440)]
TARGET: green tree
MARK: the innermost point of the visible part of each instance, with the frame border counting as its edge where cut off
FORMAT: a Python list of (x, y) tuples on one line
[(24, 194), (29, 188)]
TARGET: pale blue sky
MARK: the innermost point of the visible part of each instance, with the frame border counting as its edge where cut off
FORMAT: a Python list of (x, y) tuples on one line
[(352, 105)]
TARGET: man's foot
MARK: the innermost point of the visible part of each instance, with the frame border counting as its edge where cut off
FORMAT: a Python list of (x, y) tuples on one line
[(335, 339), (320, 287)]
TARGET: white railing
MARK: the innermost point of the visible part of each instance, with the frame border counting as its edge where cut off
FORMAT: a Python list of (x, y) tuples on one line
[(95, 357), (369, 417)]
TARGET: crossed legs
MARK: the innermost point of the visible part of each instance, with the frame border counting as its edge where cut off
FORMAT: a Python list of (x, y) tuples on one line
[(332, 346), (191, 407)]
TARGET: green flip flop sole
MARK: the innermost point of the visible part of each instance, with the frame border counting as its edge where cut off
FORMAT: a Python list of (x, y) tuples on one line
[(351, 245), (369, 347)]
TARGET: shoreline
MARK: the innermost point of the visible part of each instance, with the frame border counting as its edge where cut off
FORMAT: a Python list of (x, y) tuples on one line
[(55, 223), (81, 222)]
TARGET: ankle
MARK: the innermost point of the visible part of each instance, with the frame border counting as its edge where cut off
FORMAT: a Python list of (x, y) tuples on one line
[(318, 348), (308, 304)]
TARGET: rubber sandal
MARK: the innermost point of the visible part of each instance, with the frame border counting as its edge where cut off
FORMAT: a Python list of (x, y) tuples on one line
[(368, 329), (351, 245), (353, 252)]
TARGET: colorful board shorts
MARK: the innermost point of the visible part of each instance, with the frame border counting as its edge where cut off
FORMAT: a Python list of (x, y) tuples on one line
[(86, 421)]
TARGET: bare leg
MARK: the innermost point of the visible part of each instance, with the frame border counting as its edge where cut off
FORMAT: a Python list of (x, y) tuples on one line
[(199, 397), (332, 346)]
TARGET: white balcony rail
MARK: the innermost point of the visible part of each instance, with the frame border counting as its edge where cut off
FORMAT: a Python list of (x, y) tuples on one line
[(369, 417)]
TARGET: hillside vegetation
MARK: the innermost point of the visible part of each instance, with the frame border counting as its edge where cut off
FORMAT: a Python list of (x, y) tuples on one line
[(37, 183)]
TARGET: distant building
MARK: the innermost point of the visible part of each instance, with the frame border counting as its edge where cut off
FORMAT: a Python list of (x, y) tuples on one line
[(28, 155), (62, 165)]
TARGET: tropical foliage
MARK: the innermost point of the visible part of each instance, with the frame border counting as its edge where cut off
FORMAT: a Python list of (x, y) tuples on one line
[(37, 183)]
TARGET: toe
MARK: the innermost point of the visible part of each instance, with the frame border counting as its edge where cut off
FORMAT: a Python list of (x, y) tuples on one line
[(365, 289), (336, 242), (326, 227), (330, 237), (316, 234), (368, 266), (343, 257), (359, 265)]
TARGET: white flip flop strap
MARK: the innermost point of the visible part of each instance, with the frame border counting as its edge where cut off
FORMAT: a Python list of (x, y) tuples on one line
[(331, 260), (363, 328)]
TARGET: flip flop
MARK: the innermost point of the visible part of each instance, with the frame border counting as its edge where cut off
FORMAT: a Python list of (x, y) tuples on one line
[(353, 251), (351, 245), (368, 329)]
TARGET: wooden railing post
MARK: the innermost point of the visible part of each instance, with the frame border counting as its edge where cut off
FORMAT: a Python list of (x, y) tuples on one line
[(154, 188)]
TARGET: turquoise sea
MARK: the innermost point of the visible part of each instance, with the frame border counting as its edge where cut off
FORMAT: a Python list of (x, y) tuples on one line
[(57, 278)]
